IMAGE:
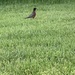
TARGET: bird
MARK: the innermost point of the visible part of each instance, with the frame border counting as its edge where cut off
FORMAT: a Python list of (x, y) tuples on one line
[(33, 14)]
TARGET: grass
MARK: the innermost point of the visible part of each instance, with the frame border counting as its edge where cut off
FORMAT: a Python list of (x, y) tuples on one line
[(34, 1), (41, 46)]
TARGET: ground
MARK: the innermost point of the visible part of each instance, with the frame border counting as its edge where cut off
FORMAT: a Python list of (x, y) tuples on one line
[(41, 46)]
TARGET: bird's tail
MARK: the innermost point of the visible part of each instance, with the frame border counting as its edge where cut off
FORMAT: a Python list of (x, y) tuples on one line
[(25, 17)]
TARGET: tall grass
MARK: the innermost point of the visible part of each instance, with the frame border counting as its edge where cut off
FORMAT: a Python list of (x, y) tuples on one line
[(35, 1)]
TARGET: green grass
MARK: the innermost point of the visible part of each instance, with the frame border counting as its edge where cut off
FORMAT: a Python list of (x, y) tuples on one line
[(35, 1), (41, 46)]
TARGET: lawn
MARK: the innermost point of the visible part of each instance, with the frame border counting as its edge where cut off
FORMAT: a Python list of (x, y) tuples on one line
[(41, 46)]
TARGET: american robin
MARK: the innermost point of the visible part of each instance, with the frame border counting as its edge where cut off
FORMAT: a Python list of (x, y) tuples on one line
[(33, 14)]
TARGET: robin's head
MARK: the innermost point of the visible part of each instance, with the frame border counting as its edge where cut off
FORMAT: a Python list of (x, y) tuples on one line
[(34, 9)]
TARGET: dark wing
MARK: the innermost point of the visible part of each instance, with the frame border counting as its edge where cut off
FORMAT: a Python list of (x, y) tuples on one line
[(30, 16)]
